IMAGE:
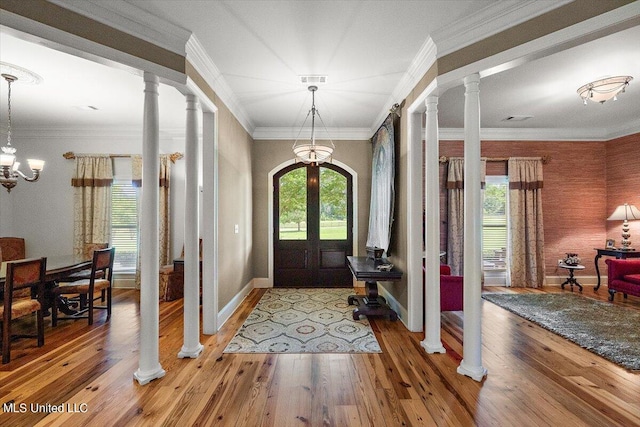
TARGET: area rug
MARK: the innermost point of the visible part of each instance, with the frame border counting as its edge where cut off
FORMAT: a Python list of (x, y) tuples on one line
[(304, 321), (608, 330)]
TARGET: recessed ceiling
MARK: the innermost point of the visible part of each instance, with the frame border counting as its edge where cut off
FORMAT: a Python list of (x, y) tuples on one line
[(363, 47)]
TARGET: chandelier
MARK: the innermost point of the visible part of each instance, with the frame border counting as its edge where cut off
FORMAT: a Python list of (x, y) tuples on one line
[(312, 152), (603, 90), (9, 168)]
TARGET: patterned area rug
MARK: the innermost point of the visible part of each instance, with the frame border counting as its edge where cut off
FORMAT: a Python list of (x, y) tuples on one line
[(304, 321), (608, 330)]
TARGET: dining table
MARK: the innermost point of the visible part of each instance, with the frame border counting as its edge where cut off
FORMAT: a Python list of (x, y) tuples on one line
[(59, 267)]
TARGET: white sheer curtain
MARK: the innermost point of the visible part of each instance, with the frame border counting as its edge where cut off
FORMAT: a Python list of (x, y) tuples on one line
[(92, 181), (526, 228), (382, 187)]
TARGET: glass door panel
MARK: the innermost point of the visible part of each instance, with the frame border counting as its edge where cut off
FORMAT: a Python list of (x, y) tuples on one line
[(333, 205), (293, 205)]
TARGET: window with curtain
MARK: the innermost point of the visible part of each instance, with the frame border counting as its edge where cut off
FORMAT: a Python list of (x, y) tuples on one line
[(124, 225)]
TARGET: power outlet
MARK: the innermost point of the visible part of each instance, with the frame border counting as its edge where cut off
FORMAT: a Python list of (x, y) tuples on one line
[(236, 228)]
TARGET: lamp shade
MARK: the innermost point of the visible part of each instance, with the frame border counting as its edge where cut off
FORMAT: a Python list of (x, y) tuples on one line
[(625, 212)]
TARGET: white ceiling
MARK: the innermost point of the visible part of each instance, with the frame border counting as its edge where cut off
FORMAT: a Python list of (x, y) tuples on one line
[(364, 47)]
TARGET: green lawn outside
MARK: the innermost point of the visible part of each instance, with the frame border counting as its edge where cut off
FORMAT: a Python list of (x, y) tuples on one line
[(326, 233)]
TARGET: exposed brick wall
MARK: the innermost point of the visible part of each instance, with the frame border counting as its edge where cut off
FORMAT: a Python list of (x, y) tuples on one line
[(575, 192), (623, 184)]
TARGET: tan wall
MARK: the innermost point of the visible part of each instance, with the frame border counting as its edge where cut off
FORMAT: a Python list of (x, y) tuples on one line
[(269, 154), (235, 206)]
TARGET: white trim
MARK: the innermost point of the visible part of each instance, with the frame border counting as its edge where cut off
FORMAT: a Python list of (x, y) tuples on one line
[(421, 63), (491, 20), (394, 304), (204, 65), (336, 134), (228, 310), (261, 283), (272, 172), (132, 20)]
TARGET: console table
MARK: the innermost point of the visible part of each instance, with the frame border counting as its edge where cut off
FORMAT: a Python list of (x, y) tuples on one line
[(619, 254), (371, 304)]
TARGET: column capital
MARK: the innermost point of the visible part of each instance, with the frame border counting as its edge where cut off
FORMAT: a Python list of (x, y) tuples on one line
[(472, 78), (431, 103)]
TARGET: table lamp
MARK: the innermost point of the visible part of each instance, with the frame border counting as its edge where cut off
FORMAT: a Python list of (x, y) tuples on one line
[(625, 213)]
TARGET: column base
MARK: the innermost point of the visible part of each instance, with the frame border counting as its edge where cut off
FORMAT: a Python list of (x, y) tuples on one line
[(148, 376), (186, 353), (432, 348), (477, 373)]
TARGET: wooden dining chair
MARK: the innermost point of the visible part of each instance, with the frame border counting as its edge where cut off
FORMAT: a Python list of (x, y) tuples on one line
[(101, 278), (87, 252), (21, 277), (12, 248)]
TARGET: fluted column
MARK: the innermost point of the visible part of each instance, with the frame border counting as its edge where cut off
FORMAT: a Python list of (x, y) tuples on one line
[(432, 342), (191, 347), (471, 364), (149, 362)]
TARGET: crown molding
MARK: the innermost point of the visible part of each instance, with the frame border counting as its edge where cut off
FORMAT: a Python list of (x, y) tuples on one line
[(111, 133), (335, 134), (547, 134), (132, 20), (491, 20), (419, 66), (204, 65)]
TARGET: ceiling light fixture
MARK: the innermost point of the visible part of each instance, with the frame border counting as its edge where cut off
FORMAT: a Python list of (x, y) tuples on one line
[(9, 171), (603, 90), (313, 152)]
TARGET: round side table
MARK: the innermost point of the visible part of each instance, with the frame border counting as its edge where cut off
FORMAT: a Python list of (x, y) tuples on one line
[(571, 280)]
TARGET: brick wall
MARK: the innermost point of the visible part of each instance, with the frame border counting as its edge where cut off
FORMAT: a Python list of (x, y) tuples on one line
[(583, 183)]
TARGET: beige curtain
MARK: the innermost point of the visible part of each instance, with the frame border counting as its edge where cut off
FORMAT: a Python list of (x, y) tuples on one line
[(164, 206), (526, 232), (92, 181), (455, 212)]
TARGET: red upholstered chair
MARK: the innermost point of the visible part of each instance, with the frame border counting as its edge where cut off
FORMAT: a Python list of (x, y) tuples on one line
[(450, 290), (21, 276), (12, 248), (624, 277)]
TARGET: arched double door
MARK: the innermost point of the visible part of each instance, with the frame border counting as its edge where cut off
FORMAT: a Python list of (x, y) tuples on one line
[(313, 226)]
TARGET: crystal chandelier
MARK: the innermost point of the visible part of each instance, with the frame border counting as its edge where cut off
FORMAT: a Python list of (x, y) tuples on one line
[(603, 90), (10, 171), (312, 152)]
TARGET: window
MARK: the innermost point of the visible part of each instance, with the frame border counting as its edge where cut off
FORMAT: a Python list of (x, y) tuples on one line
[(124, 225), (494, 230)]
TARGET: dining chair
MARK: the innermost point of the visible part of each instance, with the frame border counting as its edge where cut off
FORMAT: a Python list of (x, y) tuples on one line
[(101, 278), (87, 252), (12, 248), (21, 277)]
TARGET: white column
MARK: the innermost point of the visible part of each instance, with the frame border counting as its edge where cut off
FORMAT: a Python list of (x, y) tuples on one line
[(209, 225), (191, 347), (432, 342), (149, 364), (471, 364)]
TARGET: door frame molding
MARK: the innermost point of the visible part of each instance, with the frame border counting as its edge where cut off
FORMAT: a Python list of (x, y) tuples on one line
[(270, 175)]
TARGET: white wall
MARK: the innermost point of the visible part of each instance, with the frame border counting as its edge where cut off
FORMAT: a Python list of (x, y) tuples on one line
[(42, 212)]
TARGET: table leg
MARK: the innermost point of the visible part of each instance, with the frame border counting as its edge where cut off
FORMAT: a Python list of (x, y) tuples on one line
[(371, 304), (598, 256)]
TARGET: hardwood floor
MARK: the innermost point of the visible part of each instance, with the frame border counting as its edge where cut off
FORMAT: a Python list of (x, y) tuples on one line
[(535, 378)]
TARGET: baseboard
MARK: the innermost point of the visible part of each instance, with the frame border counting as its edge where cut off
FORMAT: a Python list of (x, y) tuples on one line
[(394, 304), (227, 310), (261, 282), (583, 280)]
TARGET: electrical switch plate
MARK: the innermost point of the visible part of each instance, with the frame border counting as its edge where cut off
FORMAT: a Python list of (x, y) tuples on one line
[(236, 228)]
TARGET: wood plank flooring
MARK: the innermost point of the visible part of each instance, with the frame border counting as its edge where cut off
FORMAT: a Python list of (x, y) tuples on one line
[(535, 378)]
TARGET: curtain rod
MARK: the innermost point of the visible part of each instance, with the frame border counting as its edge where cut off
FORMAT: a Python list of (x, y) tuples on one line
[(71, 155), (545, 159)]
